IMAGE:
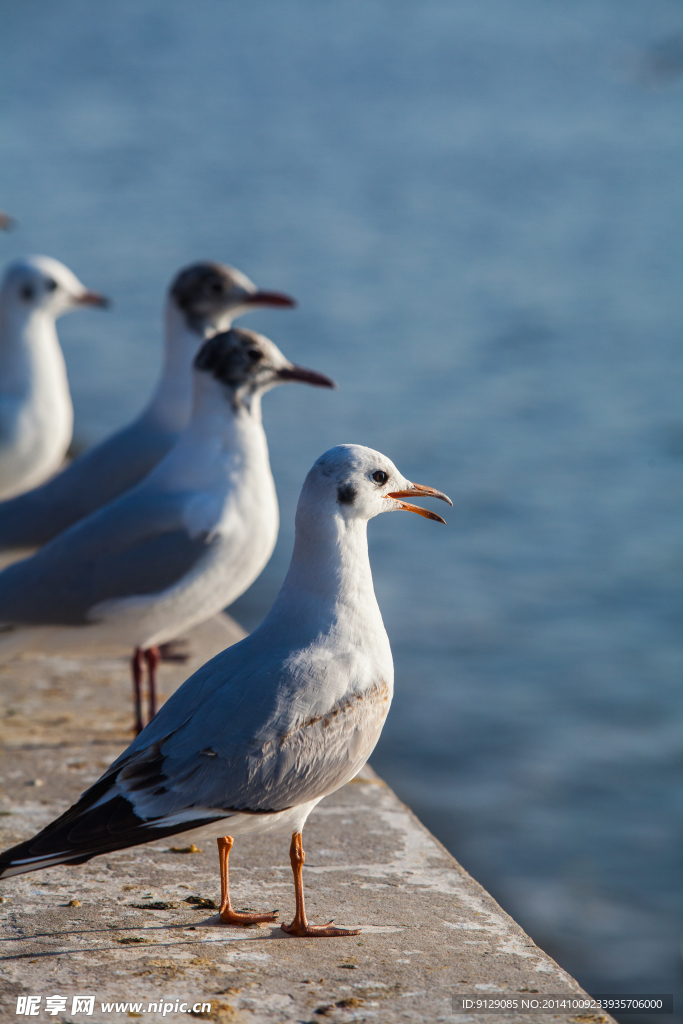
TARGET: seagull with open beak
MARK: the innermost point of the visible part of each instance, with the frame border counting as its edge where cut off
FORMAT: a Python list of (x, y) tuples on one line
[(264, 731)]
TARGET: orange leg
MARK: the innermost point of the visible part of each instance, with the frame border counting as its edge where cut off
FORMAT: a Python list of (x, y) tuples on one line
[(136, 669), (228, 915), (300, 925)]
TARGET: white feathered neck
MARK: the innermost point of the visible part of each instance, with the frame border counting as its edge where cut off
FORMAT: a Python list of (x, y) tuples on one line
[(223, 449), (170, 407), (328, 588), (31, 359)]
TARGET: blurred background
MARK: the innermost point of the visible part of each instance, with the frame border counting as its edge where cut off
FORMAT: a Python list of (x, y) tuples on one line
[(477, 204)]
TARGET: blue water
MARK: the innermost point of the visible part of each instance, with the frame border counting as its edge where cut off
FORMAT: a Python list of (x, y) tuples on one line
[(478, 205)]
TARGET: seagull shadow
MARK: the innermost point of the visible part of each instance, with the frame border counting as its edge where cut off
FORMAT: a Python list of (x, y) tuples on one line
[(248, 934)]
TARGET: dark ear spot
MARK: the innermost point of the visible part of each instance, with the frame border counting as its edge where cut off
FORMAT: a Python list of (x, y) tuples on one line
[(346, 494)]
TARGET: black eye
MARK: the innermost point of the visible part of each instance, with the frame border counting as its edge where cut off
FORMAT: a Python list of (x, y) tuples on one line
[(26, 291), (380, 477), (50, 284), (216, 288), (253, 354)]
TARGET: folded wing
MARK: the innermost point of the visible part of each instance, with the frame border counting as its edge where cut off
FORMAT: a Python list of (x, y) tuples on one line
[(98, 476), (138, 544)]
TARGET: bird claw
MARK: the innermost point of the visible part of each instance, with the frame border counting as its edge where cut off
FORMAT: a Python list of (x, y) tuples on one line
[(316, 931), (236, 917)]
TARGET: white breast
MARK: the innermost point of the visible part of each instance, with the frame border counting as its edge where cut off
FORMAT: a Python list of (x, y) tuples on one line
[(36, 413), (231, 497)]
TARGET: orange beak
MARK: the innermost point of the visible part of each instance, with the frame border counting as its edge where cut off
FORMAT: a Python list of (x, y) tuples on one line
[(419, 490)]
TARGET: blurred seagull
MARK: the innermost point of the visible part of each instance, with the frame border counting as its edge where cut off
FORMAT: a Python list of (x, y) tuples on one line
[(266, 729), (179, 547), (36, 414), (204, 298)]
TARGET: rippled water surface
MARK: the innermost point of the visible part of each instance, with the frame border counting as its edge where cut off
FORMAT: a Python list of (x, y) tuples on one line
[(477, 204)]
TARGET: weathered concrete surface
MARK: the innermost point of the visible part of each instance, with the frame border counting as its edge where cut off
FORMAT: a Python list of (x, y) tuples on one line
[(429, 930)]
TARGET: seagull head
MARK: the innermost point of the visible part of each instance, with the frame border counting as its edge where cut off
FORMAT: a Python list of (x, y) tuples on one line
[(356, 482), (42, 283), (248, 364), (212, 295)]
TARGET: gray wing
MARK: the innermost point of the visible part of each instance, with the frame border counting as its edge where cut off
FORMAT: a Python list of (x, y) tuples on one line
[(135, 545), (89, 482), (259, 743), (167, 781)]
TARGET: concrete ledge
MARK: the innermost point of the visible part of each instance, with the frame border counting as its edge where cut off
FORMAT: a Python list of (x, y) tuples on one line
[(429, 930)]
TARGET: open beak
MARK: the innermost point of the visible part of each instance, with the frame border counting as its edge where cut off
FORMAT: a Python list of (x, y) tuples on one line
[(278, 299), (419, 490), (300, 373), (92, 299)]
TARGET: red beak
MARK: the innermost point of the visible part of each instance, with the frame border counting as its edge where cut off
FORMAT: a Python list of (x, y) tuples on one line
[(276, 299), (300, 373)]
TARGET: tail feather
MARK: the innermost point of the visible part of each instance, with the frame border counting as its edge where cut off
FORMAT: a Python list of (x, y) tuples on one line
[(103, 820)]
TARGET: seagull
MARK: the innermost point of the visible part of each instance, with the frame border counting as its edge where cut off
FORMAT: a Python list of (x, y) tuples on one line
[(181, 545), (36, 414), (203, 299), (266, 729)]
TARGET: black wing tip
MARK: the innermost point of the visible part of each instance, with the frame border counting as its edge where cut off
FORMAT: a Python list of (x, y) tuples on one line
[(18, 861), (93, 826), (22, 859)]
